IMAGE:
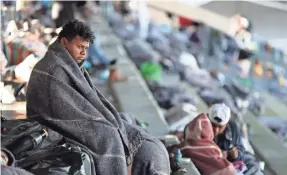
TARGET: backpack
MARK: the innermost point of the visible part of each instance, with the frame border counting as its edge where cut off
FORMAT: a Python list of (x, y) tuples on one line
[(54, 155), (12, 130), (65, 159)]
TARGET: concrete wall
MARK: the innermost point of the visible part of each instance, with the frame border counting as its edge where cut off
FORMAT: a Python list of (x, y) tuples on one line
[(280, 43)]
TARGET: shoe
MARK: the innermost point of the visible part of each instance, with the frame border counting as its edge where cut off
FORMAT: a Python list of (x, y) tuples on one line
[(113, 62), (115, 75)]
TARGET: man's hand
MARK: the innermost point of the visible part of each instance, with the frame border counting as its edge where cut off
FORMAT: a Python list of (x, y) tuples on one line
[(233, 153), (224, 154)]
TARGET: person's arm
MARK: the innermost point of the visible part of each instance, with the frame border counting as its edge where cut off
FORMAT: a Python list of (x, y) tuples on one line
[(238, 143)]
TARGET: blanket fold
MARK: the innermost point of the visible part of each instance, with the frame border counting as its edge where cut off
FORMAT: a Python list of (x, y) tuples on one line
[(61, 96)]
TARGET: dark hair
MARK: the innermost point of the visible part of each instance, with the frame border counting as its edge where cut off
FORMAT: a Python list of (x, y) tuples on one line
[(75, 28), (184, 130)]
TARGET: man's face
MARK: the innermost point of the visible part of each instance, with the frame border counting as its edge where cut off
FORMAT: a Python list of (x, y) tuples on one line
[(77, 48), (217, 129)]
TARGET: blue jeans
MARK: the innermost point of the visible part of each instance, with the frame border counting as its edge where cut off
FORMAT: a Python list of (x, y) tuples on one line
[(95, 54)]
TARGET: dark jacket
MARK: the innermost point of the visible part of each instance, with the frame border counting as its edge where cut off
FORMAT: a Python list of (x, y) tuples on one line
[(10, 168), (232, 137)]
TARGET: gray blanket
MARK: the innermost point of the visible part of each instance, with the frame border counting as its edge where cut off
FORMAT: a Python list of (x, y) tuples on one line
[(61, 96)]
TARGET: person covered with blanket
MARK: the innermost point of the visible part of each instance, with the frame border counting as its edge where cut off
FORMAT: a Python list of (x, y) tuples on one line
[(199, 146), (61, 96)]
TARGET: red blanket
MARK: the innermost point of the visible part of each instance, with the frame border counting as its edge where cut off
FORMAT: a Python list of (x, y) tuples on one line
[(204, 153)]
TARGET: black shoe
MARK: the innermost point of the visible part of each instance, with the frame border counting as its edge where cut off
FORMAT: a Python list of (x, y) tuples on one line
[(113, 62)]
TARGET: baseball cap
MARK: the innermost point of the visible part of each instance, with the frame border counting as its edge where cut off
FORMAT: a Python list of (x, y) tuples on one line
[(219, 114)]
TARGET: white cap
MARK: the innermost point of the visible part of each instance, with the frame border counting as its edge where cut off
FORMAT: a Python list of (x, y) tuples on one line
[(219, 114)]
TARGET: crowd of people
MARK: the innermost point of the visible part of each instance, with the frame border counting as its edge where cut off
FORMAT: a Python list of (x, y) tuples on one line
[(52, 68)]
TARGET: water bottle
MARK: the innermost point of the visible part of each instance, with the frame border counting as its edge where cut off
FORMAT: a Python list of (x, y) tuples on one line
[(27, 143), (177, 154)]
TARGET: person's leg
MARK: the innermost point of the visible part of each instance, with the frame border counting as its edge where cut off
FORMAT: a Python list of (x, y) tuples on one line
[(251, 163), (95, 52), (151, 159)]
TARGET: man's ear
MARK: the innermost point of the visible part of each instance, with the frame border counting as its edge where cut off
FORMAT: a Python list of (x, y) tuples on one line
[(63, 41)]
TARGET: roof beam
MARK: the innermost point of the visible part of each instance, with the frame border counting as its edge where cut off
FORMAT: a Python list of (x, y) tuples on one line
[(212, 19)]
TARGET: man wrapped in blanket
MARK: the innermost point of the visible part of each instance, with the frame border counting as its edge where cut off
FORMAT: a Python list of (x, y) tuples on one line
[(62, 96)]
